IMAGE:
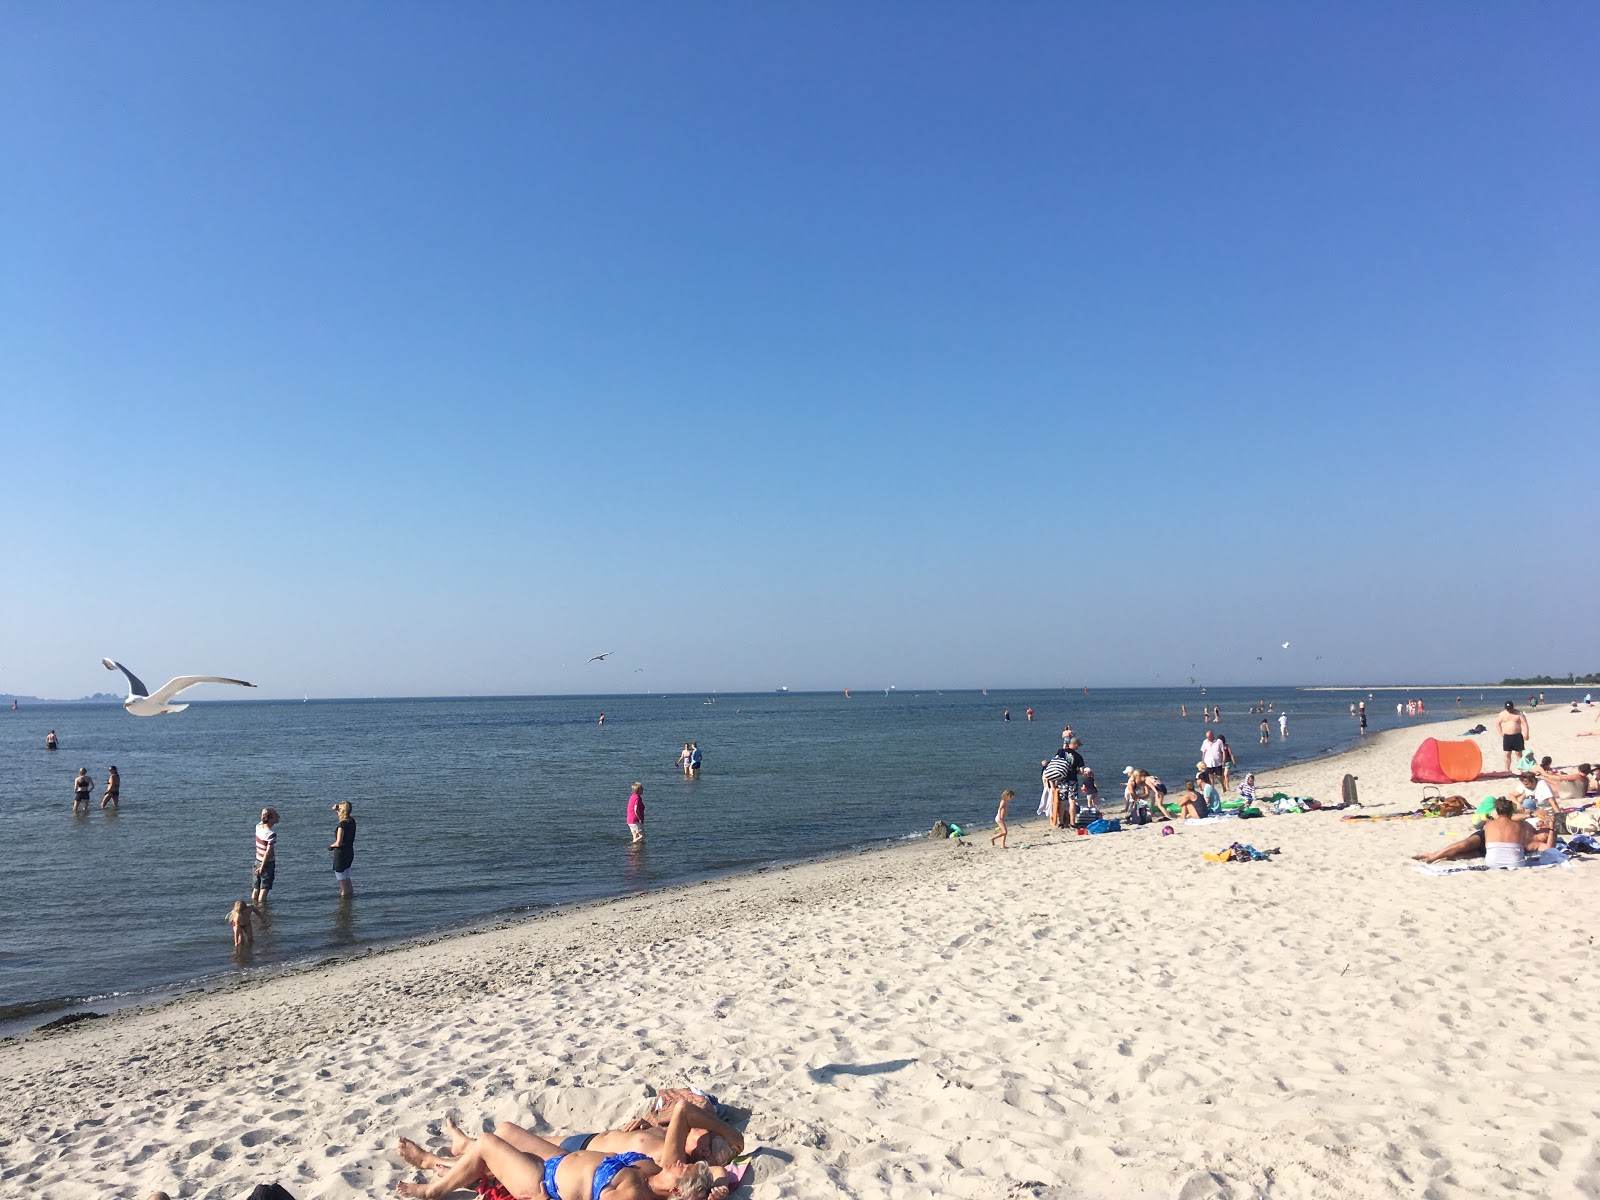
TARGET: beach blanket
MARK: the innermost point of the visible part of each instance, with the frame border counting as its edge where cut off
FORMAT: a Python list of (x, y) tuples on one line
[(1545, 858), (1211, 820)]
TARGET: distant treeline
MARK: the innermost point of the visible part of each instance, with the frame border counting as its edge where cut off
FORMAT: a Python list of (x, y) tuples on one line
[(1593, 677), (98, 698)]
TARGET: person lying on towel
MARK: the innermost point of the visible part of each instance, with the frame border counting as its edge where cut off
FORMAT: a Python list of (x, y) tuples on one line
[(1504, 840), (515, 1164)]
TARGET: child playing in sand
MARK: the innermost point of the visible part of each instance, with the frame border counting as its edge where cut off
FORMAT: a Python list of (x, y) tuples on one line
[(1000, 818), (239, 917)]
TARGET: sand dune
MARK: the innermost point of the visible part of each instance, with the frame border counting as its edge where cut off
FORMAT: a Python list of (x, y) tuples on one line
[(1073, 1017)]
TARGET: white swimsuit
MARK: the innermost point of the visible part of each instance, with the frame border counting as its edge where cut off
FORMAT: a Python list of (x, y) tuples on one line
[(1504, 854)]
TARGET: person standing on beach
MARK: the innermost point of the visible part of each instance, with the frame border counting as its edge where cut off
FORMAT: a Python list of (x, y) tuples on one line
[(113, 789), (1514, 732), (266, 855), (82, 785), (1211, 752), (1074, 782), (1054, 775), (344, 848), (1000, 819), (636, 812), (1361, 713), (1229, 762)]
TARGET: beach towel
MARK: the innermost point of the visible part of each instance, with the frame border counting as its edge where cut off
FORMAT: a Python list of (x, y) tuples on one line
[(1545, 858), (1211, 820)]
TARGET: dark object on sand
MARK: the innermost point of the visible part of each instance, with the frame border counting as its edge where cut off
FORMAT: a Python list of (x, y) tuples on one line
[(1347, 793), (69, 1019), (270, 1191)]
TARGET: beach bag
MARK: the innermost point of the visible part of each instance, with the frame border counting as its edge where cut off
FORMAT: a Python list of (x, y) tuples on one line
[(1105, 826), (1087, 816), (1138, 815), (1249, 812), (1582, 822)]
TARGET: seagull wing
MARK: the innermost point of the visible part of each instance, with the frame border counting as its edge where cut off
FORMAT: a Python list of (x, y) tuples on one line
[(173, 686), (135, 684), (601, 657)]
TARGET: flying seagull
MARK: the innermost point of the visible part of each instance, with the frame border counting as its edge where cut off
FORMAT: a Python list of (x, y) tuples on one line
[(636, 670), (1286, 645), (142, 702), (601, 657)]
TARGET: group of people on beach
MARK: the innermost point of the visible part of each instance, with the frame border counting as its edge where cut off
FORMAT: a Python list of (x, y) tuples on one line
[(265, 873), (681, 1147), (1529, 818), (1069, 796)]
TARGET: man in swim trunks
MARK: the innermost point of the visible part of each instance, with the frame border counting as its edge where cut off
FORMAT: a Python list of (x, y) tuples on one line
[(1513, 727)]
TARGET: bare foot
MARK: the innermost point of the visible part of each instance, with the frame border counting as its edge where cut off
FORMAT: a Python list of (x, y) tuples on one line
[(412, 1189), (414, 1155), (459, 1141)]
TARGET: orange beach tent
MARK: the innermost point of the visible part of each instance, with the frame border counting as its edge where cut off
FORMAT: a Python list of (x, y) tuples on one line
[(1446, 762)]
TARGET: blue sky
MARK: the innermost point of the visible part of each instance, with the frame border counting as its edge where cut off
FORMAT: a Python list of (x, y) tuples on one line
[(397, 349)]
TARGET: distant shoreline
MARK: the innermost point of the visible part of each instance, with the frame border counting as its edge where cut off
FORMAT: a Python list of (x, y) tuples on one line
[(1446, 687)]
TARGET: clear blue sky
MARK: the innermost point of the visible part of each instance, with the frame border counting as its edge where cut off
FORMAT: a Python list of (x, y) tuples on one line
[(388, 349)]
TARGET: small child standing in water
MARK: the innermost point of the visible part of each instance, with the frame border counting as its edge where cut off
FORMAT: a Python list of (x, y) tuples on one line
[(1000, 818), (239, 917)]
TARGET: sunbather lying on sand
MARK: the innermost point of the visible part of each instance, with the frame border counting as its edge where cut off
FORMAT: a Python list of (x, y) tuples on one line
[(519, 1165), (1504, 841)]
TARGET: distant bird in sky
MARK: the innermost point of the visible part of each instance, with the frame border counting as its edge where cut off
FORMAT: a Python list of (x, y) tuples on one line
[(1286, 645), (142, 702), (602, 657), (636, 670), (1258, 658)]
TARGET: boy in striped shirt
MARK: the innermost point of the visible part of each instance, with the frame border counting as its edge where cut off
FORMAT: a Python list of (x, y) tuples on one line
[(266, 855)]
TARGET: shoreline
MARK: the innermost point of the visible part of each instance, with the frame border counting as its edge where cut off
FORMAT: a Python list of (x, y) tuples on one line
[(180, 993), (925, 1017), (46, 1012)]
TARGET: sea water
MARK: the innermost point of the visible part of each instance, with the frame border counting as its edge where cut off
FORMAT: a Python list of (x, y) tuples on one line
[(472, 809)]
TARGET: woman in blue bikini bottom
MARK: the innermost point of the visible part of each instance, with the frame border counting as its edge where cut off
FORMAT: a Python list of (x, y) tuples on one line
[(500, 1170)]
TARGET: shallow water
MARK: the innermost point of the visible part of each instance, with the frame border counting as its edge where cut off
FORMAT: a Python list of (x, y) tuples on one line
[(471, 808)]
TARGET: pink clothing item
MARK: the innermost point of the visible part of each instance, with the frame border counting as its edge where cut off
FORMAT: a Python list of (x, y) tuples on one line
[(635, 809)]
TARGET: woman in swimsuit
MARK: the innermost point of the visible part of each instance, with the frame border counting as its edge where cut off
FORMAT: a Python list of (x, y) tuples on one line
[(1505, 840), (513, 1164)]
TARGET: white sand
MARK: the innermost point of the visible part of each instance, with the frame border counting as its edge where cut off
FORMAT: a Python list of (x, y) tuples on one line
[(1083, 1017)]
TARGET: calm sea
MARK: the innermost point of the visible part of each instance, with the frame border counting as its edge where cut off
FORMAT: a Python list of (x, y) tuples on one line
[(469, 809)]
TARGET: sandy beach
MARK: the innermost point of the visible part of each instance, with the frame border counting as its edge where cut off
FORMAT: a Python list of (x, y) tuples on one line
[(1106, 1016)]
